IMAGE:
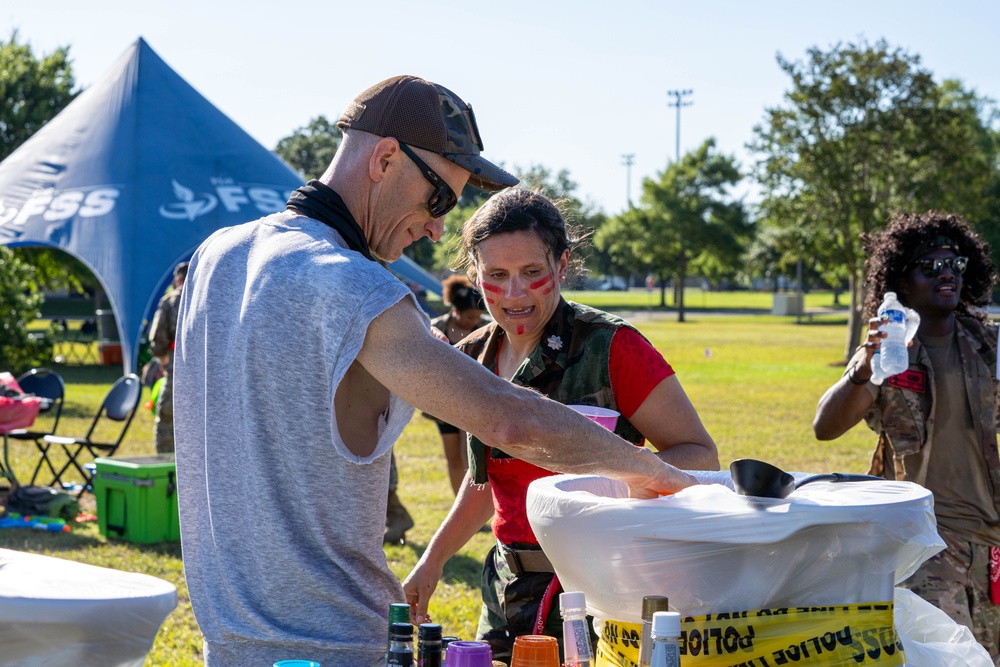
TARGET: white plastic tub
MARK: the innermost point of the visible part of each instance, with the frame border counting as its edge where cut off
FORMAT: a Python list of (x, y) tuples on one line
[(709, 549)]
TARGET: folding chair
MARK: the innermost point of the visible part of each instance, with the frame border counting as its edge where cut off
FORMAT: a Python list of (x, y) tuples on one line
[(119, 405), (43, 383), (78, 346)]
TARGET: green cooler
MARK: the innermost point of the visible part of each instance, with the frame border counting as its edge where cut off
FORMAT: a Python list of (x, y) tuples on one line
[(137, 498)]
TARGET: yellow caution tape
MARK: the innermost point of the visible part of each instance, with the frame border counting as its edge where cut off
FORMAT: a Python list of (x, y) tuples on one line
[(837, 636)]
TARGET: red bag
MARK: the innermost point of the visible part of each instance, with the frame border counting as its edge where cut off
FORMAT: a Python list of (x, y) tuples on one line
[(16, 409)]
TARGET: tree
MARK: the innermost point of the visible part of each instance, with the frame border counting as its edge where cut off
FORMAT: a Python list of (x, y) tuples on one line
[(32, 91), (865, 132), (309, 150), (441, 256), (687, 222), (20, 300), (619, 242), (584, 215), (558, 186)]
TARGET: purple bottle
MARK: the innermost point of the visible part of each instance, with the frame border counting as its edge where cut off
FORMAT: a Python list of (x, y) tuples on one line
[(469, 654)]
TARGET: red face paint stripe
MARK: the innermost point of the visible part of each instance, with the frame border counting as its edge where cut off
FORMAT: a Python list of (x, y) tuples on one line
[(490, 301), (491, 288), (548, 290), (538, 283), (520, 329)]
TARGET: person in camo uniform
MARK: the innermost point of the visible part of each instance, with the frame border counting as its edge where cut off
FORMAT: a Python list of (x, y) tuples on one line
[(162, 332), (517, 248), (937, 421)]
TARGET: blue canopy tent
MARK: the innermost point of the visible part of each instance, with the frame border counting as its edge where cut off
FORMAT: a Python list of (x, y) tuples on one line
[(132, 176)]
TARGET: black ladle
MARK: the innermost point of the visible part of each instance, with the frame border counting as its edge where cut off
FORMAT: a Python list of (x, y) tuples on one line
[(763, 480)]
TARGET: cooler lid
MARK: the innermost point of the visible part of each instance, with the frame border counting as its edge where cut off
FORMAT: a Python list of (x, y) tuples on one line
[(138, 466)]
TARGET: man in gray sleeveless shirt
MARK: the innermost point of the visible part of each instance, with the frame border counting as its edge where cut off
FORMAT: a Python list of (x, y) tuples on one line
[(297, 361)]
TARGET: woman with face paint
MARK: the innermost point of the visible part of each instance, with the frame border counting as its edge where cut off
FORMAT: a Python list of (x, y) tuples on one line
[(517, 248)]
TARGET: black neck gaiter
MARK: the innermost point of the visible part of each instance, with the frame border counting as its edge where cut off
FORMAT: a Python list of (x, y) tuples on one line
[(321, 203)]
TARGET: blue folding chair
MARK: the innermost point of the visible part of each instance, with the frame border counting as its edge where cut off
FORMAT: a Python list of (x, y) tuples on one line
[(119, 405), (46, 384)]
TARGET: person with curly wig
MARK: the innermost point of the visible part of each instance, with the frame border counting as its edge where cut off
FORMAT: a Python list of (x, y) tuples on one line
[(465, 316), (937, 421)]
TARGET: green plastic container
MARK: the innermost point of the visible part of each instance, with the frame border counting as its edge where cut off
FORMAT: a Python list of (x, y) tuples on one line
[(137, 498)]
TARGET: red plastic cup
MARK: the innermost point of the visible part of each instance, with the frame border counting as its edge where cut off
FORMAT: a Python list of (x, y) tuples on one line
[(535, 651), (603, 416)]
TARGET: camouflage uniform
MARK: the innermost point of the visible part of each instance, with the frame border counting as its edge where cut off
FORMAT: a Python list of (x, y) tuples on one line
[(570, 365), (904, 421), (162, 332)]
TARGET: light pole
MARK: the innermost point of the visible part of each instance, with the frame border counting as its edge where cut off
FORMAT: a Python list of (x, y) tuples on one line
[(628, 159), (678, 103)]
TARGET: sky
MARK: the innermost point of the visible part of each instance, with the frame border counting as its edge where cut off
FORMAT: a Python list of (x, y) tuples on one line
[(566, 84)]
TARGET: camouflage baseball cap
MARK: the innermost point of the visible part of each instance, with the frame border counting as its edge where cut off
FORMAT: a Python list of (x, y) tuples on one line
[(429, 116)]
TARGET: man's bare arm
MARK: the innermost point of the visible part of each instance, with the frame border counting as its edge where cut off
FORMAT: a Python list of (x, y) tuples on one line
[(401, 354)]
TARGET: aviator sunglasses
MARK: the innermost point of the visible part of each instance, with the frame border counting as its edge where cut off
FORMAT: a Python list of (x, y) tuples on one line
[(932, 266), (443, 198)]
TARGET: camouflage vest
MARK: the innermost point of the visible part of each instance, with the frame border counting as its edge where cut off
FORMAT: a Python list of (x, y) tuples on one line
[(903, 412), (570, 364), (163, 329)]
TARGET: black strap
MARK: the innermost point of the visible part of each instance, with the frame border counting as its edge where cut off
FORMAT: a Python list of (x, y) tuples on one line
[(319, 202)]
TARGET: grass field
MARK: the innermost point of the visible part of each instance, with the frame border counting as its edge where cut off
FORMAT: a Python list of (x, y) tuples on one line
[(755, 381)]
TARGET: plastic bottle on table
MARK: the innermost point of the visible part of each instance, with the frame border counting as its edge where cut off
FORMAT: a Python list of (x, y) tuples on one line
[(535, 651), (666, 639), (400, 645), (445, 641), (469, 654), (650, 605), (577, 651), (429, 645), (399, 612), (900, 324)]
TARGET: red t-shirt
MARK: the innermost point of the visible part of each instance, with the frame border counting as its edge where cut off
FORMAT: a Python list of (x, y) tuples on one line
[(636, 368)]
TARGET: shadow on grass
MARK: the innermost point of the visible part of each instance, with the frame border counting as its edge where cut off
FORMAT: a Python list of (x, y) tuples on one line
[(838, 322), (87, 373), (30, 539), (37, 541), (460, 568)]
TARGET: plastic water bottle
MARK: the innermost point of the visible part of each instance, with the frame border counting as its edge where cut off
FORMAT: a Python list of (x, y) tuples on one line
[(666, 639), (900, 324), (576, 633), (650, 605)]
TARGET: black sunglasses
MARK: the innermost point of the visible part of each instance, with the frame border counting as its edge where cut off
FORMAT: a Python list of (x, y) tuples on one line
[(932, 266), (443, 198)]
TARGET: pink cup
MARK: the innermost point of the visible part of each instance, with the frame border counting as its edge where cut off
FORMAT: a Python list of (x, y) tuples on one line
[(606, 418)]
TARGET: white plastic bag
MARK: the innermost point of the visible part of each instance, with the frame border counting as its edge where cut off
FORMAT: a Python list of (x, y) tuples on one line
[(931, 639), (708, 548)]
